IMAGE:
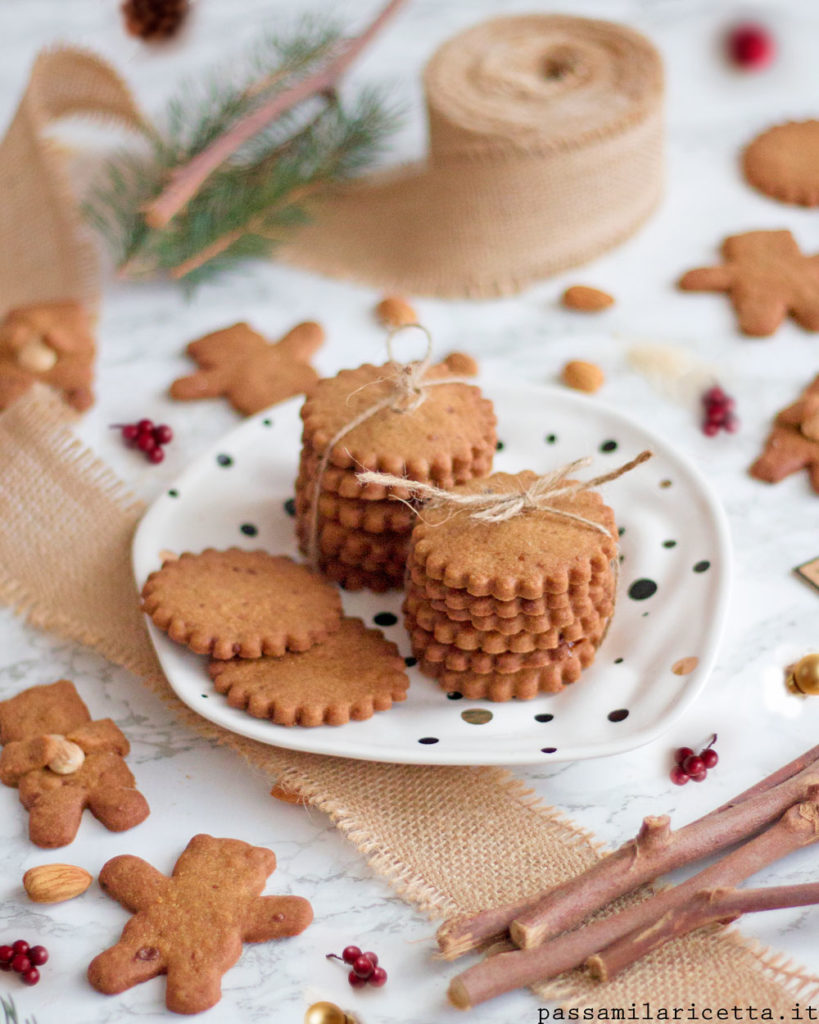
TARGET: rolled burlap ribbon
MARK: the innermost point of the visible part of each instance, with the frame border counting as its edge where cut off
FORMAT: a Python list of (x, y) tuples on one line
[(546, 149)]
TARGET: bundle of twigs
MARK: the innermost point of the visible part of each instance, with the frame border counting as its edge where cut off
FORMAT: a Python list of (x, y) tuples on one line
[(778, 815)]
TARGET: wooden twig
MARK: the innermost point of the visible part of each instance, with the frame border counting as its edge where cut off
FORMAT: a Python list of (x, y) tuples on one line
[(654, 851), (708, 906), (798, 826), (185, 181)]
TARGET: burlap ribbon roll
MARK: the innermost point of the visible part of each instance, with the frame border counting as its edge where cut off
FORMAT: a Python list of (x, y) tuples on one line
[(546, 149)]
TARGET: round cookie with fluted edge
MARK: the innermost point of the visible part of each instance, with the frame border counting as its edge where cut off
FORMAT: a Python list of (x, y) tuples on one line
[(338, 541), (524, 684), (237, 602), (354, 514), (350, 676), (426, 647), (530, 554), (557, 606), (467, 637), (445, 434), (783, 162)]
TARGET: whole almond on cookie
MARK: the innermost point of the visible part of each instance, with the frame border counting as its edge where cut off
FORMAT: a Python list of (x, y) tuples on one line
[(55, 883), (393, 311), (583, 376), (586, 300)]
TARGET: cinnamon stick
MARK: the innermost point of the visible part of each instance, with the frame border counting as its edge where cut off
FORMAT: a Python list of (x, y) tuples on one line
[(185, 181), (709, 906), (798, 826), (655, 850)]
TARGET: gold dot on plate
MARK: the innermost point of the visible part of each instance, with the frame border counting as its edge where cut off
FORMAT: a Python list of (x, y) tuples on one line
[(477, 716), (665, 483), (685, 666)]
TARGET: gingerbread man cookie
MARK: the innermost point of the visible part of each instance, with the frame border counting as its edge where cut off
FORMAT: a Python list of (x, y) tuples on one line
[(62, 762), (50, 342), (793, 444), (767, 277), (248, 370), (191, 926)]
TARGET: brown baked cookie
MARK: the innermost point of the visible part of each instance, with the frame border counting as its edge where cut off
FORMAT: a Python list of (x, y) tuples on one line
[(523, 684), (246, 603), (534, 635), (249, 371), (525, 556), (793, 444), (440, 439), (783, 162), (583, 299), (354, 577), (191, 926), (353, 674), (62, 762), (368, 516), (50, 342), (766, 277)]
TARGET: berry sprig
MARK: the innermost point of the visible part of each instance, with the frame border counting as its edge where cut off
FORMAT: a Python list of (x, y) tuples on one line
[(719, 412), (24, 960), (688, 765), (147, 437), (364, 967)]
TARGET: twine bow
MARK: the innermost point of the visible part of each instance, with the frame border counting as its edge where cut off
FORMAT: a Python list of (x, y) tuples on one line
[(497, 508)]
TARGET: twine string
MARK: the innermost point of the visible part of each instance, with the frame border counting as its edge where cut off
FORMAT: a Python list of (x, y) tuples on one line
[(408, 392), (497, 508)]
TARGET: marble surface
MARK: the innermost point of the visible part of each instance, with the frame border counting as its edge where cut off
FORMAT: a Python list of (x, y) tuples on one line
[(195, 786)]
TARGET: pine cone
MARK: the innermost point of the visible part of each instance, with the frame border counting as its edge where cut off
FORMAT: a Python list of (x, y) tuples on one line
[(154, 20)]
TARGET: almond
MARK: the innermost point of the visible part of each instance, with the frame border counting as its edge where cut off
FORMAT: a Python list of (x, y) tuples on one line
[(54, 883), (586, 300), (393, 311), (67, 756), (37, 357), (462, 364), (583, 376)]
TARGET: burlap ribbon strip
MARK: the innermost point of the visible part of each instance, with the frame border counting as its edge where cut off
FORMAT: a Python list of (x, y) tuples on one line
[(46, 252), (450, 840), (545, 150)]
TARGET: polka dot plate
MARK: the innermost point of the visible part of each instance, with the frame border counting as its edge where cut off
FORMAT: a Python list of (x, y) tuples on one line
[(672, 596)]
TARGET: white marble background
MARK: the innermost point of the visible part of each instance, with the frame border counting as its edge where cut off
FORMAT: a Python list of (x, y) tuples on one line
[(195, 786)]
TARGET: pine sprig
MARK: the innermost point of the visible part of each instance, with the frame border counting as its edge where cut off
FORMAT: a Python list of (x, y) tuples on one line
[(10, 1012), (265, 189)]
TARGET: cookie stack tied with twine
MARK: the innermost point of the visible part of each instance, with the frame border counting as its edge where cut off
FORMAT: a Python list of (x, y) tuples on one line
[(511, 581), (415, 422)]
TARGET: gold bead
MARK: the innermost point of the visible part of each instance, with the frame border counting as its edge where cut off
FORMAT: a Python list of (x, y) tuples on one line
[(805, 674), (326, 1013)]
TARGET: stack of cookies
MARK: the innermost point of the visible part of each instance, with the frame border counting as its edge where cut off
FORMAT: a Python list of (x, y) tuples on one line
[(357, 534), (279, 645), (511, 608)]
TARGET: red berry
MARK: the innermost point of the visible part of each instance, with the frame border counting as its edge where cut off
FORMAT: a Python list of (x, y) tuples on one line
[(20, 963), (5, 965), (38, 955), (363, 966), (694, 765), (355, 981), (709, 758), (350, 953), (145, 426), (682, 753), (715, 394), (20, 946), (679, 776), (710, 429), (129, 432), (372, 957), (155, 454), (30, 977), (378, 977), (699, 777), (6, 954), (163, 434), (146, 443), (751, 46)]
